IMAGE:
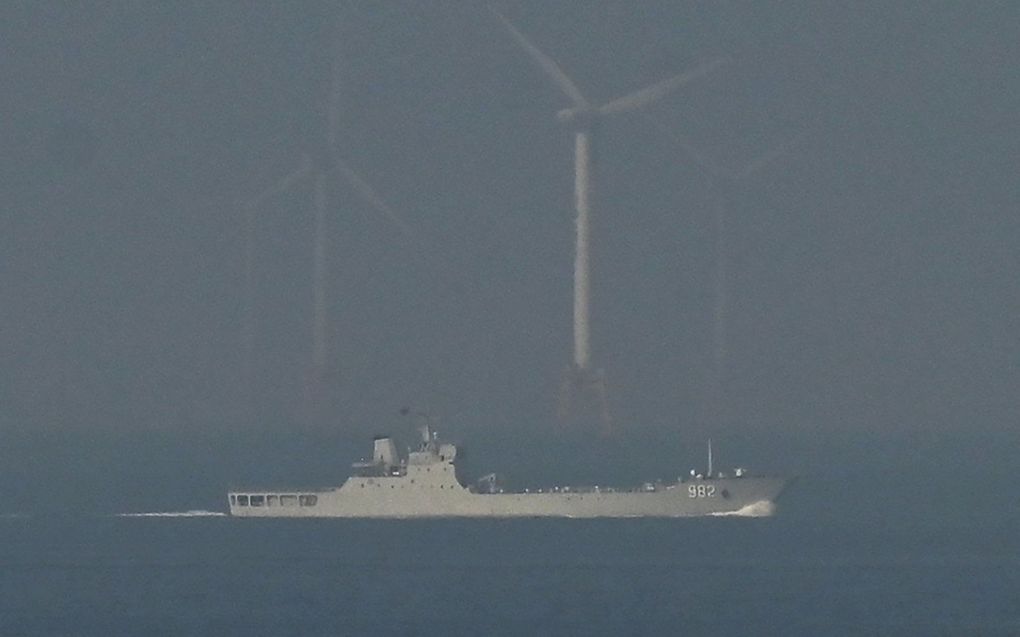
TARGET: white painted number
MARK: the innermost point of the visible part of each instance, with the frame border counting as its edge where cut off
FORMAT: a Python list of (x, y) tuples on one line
[(701, 490)]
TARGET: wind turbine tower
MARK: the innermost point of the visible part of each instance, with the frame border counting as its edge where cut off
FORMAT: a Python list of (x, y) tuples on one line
[(584, 385), (324, 166), (721, 179)]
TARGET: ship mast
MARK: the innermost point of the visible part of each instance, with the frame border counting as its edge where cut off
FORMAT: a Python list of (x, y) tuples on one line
[(709, 474)]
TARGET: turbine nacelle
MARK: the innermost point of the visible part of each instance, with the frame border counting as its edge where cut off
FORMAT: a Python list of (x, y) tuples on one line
[(578, 117)]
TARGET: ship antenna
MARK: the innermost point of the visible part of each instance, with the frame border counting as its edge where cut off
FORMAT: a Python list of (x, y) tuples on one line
[(709, 475), (425, 424)]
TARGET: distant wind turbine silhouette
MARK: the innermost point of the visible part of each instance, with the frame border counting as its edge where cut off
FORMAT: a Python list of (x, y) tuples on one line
[(323, 164), (720, 180), (581, 378)]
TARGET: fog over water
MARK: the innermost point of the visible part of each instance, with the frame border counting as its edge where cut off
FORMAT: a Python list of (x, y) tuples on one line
[(873, 307)]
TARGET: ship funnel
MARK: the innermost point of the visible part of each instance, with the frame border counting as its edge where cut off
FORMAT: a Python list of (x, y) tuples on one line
[(385, 452)]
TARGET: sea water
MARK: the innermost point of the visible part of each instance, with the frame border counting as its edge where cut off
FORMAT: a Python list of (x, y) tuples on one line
[(815, 568)]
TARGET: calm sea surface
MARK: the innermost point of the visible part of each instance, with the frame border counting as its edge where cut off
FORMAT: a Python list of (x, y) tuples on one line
[(807, 571)]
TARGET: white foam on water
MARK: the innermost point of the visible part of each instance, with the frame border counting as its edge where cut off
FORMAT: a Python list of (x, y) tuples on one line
[(759, 509), (197, 513)]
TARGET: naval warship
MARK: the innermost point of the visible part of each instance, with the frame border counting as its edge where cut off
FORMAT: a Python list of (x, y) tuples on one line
[(427, 483)]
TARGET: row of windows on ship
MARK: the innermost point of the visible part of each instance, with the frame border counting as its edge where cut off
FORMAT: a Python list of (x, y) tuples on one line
[(274, 500)]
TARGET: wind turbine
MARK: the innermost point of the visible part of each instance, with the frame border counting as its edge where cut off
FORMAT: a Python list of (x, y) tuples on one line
[(322, 165), (581, 378), (720, 180)]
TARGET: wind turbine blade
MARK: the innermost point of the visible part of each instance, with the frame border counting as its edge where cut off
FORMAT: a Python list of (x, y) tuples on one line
[(365, 192), (284, 183), (320, 266), (770, 156), (248, 310), (333, 102), (714, 168), (547, 64), (651, 93), (705, 162)]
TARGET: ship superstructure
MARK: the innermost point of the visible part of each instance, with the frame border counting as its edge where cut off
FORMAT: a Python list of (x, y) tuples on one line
[(427, 484)]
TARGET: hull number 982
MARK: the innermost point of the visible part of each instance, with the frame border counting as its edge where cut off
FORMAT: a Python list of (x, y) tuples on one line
[(701, 490)]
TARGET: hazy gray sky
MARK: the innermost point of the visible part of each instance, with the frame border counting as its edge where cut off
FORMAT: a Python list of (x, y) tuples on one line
[(873, 267)]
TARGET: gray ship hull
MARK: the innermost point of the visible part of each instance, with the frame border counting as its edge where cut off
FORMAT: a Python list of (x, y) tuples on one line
[(383, 498)]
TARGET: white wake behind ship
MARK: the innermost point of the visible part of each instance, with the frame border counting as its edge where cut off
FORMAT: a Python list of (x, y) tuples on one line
[(426, 484)]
